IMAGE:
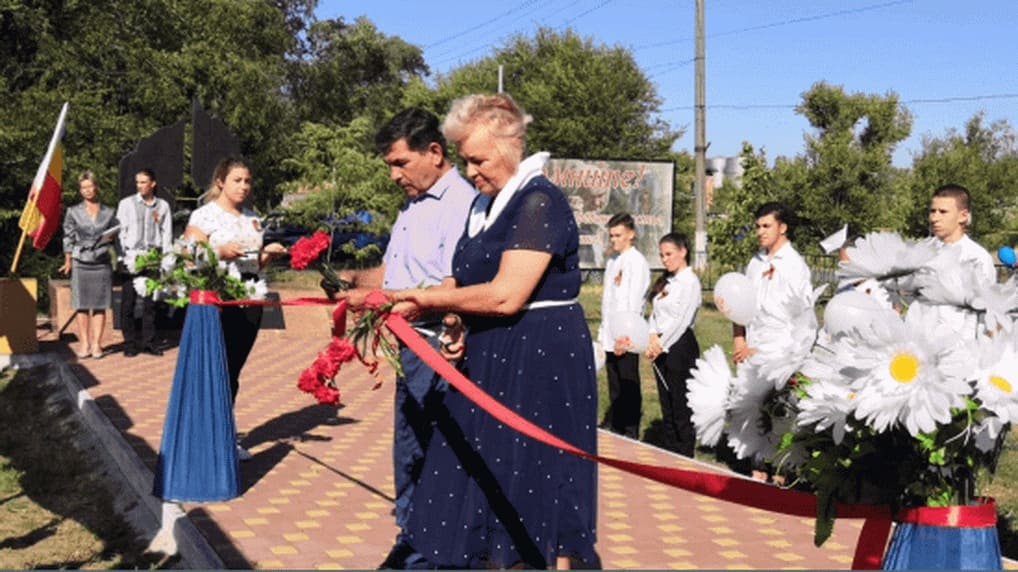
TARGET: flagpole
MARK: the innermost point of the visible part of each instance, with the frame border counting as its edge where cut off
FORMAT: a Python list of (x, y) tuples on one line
[(24, 233), (17, 254)]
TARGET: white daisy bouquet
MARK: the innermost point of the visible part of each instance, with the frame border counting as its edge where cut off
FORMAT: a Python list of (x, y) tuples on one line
[(888, 406), (191, 265)]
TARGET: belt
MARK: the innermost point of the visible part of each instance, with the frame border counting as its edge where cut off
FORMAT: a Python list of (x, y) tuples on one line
[(548, 304)]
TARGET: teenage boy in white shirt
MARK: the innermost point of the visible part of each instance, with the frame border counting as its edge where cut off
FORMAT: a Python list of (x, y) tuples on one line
[(626, 279)]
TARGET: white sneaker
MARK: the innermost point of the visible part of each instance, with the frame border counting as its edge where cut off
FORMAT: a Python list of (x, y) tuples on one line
[(243, 454)]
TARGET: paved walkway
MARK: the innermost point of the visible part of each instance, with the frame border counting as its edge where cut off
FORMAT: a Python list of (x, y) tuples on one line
[(319, 492)]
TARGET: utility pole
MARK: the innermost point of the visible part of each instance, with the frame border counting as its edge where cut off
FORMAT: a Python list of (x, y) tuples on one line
[(699, 187), (500, 78)]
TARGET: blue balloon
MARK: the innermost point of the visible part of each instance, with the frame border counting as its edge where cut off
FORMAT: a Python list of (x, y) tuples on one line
[(1006, 255)]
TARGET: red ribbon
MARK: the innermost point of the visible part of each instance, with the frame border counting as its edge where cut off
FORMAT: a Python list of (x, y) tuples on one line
[(980, 515), (205, 297), (211, 297), (737, 489)]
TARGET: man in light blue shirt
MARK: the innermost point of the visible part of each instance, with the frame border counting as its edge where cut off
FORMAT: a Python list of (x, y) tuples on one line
[(419, 254)]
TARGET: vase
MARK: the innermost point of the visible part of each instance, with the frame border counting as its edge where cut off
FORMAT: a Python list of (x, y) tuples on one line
[(945, 538)]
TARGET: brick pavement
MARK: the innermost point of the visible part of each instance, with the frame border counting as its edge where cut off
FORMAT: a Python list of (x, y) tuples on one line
[(318, 493)]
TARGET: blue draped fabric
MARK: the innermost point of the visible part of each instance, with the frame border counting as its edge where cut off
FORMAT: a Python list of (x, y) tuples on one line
[(198, 456), (925, 547)]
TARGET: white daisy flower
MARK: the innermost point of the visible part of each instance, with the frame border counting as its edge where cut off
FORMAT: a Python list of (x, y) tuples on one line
[(946, 279), (789, 335), (906, 374), (129, 260), (256, 289), (883, 256), (828, 405), (996, 378), (707, 392), (758, 415), (140, 284), (168, 262), (985, 434), (995, 301)]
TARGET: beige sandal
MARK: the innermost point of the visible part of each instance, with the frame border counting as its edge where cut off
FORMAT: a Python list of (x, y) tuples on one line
[(97, 353)]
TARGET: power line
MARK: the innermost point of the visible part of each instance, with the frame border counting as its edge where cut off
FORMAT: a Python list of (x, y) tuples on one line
[(461, 55), (582, 14), (481, 25), (918, 101), (800, 20)]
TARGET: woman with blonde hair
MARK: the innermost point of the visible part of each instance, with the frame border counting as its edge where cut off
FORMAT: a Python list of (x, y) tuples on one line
[(87, 259), (515, 281)]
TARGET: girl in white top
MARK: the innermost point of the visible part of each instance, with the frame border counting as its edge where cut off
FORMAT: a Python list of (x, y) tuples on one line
[(235, 233), (675, 298)]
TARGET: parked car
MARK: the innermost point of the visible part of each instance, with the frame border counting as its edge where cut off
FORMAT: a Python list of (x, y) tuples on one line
[(344, 230)]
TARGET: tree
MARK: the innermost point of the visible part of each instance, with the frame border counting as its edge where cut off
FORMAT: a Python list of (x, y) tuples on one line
[(351, 70), (341, 174), (130, 67), (848, 177), (984, 159), (587, 100), (731, 234)]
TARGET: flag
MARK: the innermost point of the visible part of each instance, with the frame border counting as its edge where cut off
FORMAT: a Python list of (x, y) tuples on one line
[(41, 216)]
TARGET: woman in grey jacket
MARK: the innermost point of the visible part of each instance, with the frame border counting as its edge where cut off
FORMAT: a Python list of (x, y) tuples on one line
[(89, 226)]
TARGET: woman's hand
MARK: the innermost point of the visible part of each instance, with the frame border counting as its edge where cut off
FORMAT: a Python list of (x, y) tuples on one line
[(274, 249), (66, 268), (354, 297), (654, 348), (229, 251), (452, 344)]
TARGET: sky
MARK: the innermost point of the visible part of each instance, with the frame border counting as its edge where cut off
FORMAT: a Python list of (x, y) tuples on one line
[(946, 59)]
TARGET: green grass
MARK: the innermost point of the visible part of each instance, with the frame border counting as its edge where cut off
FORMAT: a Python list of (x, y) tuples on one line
[(56, 508), (711, 328)]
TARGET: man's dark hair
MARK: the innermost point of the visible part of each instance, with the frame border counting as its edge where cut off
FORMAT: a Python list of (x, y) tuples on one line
[(418, 126), (781, 213), (959, 193), (148, 173), (623, 219)]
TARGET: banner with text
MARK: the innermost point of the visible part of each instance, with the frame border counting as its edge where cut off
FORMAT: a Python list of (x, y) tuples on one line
[(600, 189)]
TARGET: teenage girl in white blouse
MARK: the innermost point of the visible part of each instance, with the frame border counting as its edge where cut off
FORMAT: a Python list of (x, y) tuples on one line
[(675, 298)]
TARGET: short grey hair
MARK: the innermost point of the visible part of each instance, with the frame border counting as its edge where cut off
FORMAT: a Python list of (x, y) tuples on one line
[(498, 113)]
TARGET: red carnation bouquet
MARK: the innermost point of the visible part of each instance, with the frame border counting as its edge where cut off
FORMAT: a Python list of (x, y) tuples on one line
[(307, 251), (364, 341)]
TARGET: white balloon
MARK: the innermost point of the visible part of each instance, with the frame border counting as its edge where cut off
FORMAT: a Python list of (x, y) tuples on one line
[(632, 325), (735, 297), (851, 310)]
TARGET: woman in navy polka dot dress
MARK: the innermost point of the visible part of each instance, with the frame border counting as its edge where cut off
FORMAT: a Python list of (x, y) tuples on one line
[(489, 496)]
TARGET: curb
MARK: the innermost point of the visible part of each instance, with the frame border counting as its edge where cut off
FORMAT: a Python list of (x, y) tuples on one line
[(177, 533)]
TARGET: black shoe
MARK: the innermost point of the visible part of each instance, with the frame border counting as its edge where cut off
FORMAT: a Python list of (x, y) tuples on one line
[(130, 351), (153, 351)]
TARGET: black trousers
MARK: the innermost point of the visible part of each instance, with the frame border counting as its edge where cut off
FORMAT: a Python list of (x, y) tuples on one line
[(128, 326), (240, 330), (672, 373), (625, 401)]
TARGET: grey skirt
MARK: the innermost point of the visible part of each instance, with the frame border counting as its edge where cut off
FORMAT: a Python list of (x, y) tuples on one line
[(91, 285)]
